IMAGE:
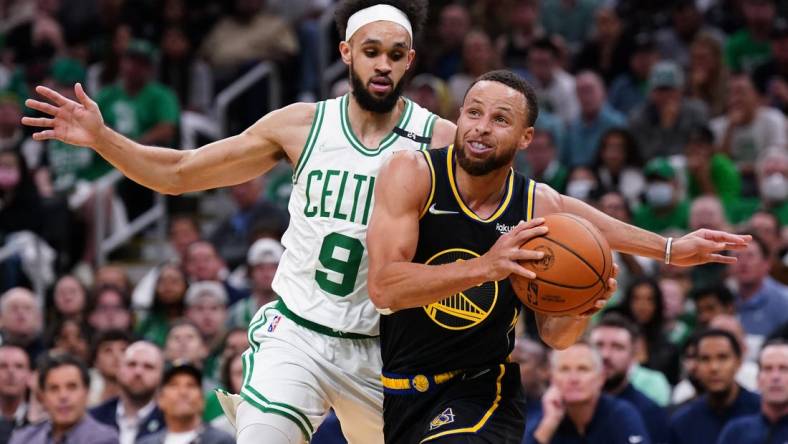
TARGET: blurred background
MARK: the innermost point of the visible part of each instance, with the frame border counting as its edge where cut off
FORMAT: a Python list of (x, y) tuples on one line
[(668, 114)]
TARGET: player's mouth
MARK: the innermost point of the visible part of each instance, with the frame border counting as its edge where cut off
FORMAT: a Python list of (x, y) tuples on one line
[(380, 85), (478, 147)]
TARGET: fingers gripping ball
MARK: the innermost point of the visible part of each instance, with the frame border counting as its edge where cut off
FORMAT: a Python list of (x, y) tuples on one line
[(573, 272)]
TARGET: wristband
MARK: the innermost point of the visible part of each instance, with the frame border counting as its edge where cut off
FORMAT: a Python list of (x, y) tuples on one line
[(668, 247)]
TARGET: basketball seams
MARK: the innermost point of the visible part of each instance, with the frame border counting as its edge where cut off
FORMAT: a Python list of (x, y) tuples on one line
[(598, 244), (581, 258)]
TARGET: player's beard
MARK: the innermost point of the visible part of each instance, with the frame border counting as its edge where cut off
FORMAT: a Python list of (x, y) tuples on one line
[(369, 102), (614, 383), (485, 166)]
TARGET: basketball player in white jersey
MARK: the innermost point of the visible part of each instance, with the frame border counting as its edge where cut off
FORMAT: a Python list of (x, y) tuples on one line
[(317, 347)]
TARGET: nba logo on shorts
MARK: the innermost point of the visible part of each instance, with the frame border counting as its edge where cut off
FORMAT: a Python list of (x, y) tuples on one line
[(274, 323)]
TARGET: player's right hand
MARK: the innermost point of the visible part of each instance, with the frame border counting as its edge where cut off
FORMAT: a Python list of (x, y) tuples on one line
[(553, 407), (502, 259), (76, 123)]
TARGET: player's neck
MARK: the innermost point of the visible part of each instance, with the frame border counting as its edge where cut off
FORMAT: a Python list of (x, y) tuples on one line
[(774, 412), (581, 414), (371, 127), (722, 400), (482, 194)]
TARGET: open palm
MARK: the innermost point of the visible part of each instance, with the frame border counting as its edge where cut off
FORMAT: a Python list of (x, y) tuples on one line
[(76, 123), (704, 246)]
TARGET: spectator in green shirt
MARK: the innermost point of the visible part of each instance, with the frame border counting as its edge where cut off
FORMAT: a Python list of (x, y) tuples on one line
[(664, 208), (710, 172), (540, 163), (749, 47), (142, 109)]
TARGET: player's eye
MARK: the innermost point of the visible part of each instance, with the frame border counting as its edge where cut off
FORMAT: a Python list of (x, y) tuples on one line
[(396, 56), (370, 52)]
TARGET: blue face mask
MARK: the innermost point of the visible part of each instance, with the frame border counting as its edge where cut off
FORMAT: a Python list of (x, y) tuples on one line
[(659, 194)]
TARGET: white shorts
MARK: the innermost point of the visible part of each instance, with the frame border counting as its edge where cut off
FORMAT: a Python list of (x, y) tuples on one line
[(298, 373)]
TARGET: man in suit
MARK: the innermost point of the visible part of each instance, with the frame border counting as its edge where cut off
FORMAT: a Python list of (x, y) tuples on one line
[(182, 403), (135, 413)]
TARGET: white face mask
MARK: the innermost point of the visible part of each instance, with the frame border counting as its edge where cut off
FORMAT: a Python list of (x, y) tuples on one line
[(579, 188), (774, 188), (659, 195)]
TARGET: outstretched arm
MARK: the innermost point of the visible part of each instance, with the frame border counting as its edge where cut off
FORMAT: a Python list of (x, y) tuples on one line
[(698, 247), (395, 282), (226, 162)]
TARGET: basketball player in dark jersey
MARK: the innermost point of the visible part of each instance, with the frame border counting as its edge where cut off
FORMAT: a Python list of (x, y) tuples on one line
[(444, 238)]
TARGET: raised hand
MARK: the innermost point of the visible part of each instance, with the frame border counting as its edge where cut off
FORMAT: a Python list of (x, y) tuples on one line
[(77, 123), (704, 246), (502, 259)]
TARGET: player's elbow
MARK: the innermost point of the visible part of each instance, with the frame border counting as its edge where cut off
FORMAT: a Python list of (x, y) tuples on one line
[(377, 295)]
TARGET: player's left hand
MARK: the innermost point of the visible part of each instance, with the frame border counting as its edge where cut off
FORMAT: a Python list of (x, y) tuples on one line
[(611, 287), (704, 246)]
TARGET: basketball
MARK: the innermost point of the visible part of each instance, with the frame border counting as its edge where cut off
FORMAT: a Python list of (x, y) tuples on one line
[(572, 275)]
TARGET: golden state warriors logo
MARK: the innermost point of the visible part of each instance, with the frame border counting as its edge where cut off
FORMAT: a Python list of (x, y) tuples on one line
[(466, 308)]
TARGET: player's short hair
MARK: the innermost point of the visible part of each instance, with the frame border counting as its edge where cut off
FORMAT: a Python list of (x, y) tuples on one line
[(56, 360), (720, 333), (514, 81), (415, 10), (111, 335), (719, 292), (617, 320), (774, 342)]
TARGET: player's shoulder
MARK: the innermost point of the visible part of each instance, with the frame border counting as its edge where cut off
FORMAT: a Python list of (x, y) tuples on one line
[(406, 163), (443, 133), (546, 199)]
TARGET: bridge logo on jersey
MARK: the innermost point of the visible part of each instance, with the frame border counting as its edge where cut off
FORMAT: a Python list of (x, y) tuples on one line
[(467, 308), (446, 417)]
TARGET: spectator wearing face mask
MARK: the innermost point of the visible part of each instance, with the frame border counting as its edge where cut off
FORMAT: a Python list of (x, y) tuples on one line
[(772, 173), (664, 208), (582, 184)]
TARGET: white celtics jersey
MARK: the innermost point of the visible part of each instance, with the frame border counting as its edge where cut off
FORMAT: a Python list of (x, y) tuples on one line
[(322, 276)]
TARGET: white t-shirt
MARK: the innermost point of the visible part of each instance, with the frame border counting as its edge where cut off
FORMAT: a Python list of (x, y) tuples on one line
[(767, 129), (180, 438)]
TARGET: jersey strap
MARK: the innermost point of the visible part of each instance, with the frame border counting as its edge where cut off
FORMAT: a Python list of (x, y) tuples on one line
[(412, 136)]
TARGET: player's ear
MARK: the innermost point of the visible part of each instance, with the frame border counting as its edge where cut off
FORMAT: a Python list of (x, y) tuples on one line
[(345, 52), (411, 56), (526, 138)]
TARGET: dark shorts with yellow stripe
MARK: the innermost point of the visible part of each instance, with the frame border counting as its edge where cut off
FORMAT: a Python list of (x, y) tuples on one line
[(475, 406)]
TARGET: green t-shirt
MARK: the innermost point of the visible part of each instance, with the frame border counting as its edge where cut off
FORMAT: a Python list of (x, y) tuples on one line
[(133, 116), (70, 164), (651, 383), (645, 217), (724, 176), (154, 328), (743, 53), (743, 209)]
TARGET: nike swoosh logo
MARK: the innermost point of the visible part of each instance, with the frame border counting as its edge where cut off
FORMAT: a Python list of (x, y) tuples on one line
[(478, 374), (438, 212)]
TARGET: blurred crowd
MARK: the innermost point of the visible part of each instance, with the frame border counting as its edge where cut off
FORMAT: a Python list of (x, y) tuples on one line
[(669, 114)]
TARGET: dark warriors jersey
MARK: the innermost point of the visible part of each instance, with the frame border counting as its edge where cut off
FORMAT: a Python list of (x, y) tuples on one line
[(475, 327)]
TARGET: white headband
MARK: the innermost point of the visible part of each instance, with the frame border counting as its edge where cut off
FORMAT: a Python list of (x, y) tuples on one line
[(377, 13)]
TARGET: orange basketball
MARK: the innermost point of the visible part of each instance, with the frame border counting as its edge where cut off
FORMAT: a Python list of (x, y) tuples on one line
[(572, 275)]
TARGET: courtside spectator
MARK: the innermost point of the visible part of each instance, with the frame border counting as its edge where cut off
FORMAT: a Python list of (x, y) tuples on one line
[(702, 420), (575, 409), (15, 374), (627, 91), (64, 385), (109, 309), (206, 307), (69, 299), (749, 47), (168, 304), (771, 424), (664, 207), (203, 263), (262, 262), (540, 161), (135, 413), (710, 302), (555, 88), (21, 320), (771, 78), (707, 75), (533, 358), (181, 403), (614, 339), (107, 352)]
